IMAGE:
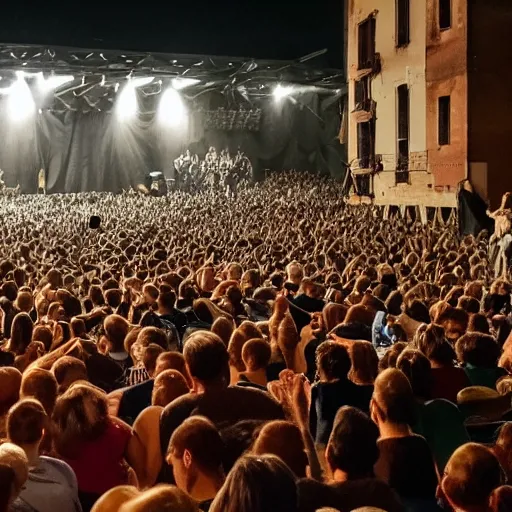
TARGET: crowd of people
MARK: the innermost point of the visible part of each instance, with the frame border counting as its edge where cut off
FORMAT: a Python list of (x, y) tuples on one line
[(278, 352), (216, 170)]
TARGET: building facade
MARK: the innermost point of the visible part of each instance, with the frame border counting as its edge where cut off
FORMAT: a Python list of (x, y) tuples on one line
[(419, 79)]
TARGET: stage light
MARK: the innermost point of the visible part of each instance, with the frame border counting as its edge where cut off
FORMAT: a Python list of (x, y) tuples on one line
[(181, 82), (280, 92), (172, 111), (139, 82), (21, 104), (126, 104), (53, 81)]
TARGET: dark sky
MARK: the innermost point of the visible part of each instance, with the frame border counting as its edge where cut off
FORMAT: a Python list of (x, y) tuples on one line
[(263, 29)]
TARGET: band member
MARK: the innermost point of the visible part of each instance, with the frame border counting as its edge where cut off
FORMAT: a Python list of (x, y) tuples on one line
[(500, 244), (41, 180)]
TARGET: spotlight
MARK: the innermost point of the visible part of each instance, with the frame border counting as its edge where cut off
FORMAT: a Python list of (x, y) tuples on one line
[(139, 82), (21, 104), (180, 82), (126, 105), (281, 92), (172, 111), (53, 81)]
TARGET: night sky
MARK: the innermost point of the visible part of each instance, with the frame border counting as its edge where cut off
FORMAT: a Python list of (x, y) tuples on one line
[(262, 29)]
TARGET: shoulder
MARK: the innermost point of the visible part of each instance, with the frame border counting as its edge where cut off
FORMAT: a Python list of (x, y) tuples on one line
[(118, 430), (62, 467), (180, 405), (18, 505), (250, 393)]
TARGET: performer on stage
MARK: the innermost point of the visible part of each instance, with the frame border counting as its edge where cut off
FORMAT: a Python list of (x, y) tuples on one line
[(500, 244), (41, 180)]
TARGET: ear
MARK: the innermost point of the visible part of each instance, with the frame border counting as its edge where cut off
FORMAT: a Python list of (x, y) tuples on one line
[(187, 459), (374, 412)]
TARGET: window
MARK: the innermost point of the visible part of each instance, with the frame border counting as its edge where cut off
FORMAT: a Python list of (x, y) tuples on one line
[(445, 14), (402, 165), (362, 95), (444, 120), (365, 143), (367, 43), (402, 22)]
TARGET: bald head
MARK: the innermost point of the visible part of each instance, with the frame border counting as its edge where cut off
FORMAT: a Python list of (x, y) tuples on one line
[(471, 475), (394, 398)]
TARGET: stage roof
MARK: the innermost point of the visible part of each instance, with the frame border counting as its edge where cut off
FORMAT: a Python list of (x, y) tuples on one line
[(98, 74), (119, 64)]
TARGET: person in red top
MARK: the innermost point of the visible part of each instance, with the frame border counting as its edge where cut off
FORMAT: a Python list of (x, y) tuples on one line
[(447, 379), (94, 444)]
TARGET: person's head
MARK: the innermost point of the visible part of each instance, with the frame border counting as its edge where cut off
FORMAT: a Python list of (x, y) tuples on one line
[(365, 363), (7, 486), (113, 298), (10, 290), (168, 385), (256, 354), (26, 423), (468, 304), (261, 483), (478, 323), (234, 272), (501, 499), (24, 302), (150, 293), (10, 382), (455, 323), (207, 359), (295, 272), (352, 450), (223, 327), (78, 329), (149, 357), (417, 310), (391, 355), (332, 361), (96, 295), (393, 399), (162, 498), (166, 300), (195, 452), (503, 448), (171, 361), (80, 415), (42, 385), (283, 439), (13, 457), (21, 333), (114, 499), (68, 370), (116, 329), (432, 343), (417, 369), (478, 349), (471, 475), (43, 334), (152, 335)]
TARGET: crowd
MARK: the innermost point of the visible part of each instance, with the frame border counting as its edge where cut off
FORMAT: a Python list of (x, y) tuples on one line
[(278, 351)]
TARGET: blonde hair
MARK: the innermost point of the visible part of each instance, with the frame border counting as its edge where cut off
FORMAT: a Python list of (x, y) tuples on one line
[(162, 498), (114, 499), (13, 456)]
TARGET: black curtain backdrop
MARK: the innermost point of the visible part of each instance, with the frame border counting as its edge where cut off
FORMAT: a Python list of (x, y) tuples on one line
[(83, 152)]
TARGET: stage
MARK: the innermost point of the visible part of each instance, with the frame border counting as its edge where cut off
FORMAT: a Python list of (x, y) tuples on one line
[(102, 120)]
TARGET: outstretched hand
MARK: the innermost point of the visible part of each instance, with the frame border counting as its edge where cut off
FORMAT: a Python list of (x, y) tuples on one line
[(301, 400)]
